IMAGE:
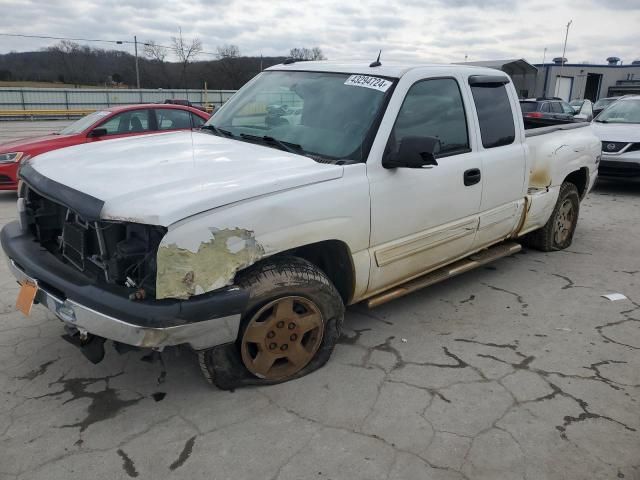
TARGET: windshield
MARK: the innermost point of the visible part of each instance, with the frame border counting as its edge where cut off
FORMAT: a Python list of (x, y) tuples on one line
[(603, 102), (624, 111), (329, 115), (84, 123)]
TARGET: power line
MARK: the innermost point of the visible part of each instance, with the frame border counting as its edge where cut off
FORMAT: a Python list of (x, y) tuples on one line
[(49, 37), (117, 42)]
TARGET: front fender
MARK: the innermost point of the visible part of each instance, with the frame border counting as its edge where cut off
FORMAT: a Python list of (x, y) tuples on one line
[(204, 252), (203, 261)]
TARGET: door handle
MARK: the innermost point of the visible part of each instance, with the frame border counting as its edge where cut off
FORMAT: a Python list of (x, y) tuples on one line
[(472, 176)]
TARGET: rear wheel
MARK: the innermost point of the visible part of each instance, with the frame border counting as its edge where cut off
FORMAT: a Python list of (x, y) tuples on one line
[(558, 232), (289, 329)]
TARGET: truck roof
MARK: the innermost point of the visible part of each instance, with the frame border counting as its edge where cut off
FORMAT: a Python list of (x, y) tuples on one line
[(387, 69)]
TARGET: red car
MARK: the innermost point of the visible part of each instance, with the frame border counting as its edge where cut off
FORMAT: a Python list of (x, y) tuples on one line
[(115, 122)]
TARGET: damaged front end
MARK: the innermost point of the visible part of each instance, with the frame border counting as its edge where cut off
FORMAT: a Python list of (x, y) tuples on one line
[(99, 277), (111, 252)]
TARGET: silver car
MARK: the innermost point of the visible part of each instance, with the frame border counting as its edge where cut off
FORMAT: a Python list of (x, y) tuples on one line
[(618, 127)]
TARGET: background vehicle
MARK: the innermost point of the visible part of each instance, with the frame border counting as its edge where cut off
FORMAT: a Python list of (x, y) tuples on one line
[(618, 127), (247, 239), (185, 103), (547, 111), (603, 103), (115, 122), (583, 109)]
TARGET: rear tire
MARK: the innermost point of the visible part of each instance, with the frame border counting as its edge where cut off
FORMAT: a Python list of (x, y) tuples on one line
[(289, 329), (558, 232)]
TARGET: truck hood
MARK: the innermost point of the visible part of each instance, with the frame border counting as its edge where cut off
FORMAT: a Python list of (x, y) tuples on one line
[(617, 132), (163, 178)]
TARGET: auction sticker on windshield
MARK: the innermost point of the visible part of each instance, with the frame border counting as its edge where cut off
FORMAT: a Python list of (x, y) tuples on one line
[(368, 82)]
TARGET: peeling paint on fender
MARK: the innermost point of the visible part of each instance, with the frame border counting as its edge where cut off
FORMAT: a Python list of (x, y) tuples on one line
[(184, 272)]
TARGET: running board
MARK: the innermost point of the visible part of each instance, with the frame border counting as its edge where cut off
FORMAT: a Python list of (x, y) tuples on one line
[(469, 263)]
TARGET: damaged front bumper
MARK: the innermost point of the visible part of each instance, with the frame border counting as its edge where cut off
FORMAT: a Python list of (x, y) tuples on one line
[(202, 322)]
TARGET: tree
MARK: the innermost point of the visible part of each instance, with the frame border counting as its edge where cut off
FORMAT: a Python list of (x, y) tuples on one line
[(70, 59), (303, 54), (229, 62), (228, 51), (186, 52), (154, 52), (116, 78), (157, 54)]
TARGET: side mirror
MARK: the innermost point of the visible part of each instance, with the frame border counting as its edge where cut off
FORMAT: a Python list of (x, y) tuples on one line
[(98, 132), (413, 152)]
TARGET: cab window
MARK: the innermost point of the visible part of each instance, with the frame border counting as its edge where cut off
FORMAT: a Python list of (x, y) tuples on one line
[(495, 116), (433, 108)]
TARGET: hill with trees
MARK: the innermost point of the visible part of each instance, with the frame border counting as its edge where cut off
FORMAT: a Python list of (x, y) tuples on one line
[(74, 64)]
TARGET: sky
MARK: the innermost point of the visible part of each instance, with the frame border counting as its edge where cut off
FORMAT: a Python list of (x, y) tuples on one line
[(442, 31)]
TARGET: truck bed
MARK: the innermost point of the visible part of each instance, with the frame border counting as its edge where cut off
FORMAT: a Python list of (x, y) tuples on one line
[(534, 132)]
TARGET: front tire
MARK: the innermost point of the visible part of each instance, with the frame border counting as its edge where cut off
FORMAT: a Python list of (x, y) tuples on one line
[(289, 329), (558, 232)]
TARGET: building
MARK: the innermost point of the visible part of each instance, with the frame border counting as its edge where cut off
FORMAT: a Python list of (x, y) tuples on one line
[(571, 81), (522, 73)]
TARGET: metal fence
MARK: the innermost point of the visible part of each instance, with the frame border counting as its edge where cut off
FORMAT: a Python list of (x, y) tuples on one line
[(12, 98)]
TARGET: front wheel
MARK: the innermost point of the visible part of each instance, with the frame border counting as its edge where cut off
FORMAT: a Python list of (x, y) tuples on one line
[(289, 329), (558, 232)]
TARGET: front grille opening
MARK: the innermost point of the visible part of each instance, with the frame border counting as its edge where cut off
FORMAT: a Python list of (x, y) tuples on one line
[(613, 147), (117, 253)]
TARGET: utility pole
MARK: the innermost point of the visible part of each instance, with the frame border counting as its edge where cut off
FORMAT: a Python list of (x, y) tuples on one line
[(535, 88), (135, 42), (564, 51)]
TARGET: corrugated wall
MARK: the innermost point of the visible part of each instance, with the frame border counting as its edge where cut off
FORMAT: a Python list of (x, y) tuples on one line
[(96, 98)]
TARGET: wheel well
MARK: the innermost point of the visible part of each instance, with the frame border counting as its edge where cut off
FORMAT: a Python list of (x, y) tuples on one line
[(580, 178), (333, 257)]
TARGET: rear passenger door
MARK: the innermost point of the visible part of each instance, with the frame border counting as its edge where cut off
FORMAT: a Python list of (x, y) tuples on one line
[(503, 157)]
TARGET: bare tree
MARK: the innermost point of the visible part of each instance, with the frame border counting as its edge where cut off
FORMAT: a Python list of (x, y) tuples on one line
[(228, 51), (154, 52), (70, 59), (186, 52), (304, 53), (229, 62)]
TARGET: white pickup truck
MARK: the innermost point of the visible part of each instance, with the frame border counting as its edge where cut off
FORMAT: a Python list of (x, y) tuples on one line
[(317, 185)]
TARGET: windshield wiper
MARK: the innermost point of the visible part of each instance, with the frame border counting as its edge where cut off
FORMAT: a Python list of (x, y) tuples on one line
[(218, 131), (286, 146)]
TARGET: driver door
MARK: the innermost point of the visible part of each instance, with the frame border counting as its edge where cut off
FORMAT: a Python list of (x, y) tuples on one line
[(422, 218)]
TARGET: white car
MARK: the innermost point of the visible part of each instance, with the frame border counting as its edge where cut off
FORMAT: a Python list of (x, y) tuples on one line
[(246, 240), (618, 127)]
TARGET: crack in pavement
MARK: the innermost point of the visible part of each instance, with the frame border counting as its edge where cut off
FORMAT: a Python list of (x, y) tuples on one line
[(524, 364)]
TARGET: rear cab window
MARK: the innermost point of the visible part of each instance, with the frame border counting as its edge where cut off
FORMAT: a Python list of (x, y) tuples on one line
[(495, 115)]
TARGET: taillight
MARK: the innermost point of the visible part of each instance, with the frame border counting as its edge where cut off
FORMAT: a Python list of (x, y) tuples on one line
[(533, 115)]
